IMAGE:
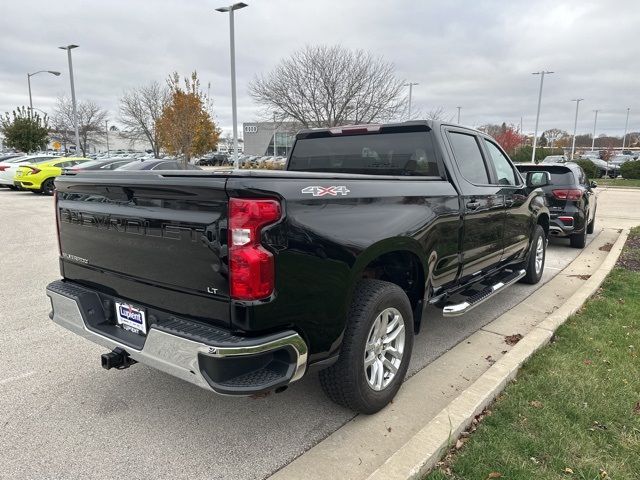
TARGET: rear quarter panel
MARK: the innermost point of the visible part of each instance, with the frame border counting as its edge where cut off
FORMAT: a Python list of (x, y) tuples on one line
[(324, 243)]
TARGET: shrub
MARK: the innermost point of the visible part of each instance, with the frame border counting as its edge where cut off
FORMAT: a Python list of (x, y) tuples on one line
[(589, 168), (630, 169)]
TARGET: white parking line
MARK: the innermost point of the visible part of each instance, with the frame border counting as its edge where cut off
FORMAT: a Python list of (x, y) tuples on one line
[(17, 377)]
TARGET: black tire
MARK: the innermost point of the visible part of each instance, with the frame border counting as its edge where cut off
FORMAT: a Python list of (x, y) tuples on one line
[(533, 268), (592, 225), (346, 381), (13, 187), (48, 187), (579, 240)]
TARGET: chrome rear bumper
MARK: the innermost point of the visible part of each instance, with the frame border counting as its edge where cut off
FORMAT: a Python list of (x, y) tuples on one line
[(189, 359)]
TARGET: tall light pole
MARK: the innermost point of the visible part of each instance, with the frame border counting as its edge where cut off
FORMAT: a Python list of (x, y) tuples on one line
[(593, 137), (575, 126), (410, 85), (68, 48), (29, 75), (106, 130), (535, 134), (234, 112), (626, 125), (459, 108)]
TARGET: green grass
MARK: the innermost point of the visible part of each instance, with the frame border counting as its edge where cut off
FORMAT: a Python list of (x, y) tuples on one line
[(618, 182), (575, 404)]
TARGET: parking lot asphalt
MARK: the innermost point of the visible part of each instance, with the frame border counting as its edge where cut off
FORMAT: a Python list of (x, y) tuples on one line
[(63, 416)]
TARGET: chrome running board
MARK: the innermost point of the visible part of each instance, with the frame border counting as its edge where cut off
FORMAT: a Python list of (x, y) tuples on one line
[(473, 301)]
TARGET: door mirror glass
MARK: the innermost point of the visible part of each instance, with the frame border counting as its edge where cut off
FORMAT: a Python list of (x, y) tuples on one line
[(538, 179)]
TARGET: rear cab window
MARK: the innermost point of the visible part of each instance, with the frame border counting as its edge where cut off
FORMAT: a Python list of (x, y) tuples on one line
[(396, 152)]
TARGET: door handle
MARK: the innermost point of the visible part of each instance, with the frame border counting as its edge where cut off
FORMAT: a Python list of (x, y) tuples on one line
[(473, 205)]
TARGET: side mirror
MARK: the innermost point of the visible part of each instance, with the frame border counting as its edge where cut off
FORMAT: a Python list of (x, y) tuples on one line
[(593, 184), (538, 179)]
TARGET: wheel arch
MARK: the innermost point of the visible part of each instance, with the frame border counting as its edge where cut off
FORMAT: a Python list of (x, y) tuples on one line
[(399, 261)]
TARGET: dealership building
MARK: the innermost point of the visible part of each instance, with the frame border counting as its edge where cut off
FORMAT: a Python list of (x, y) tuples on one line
[(259, 137)]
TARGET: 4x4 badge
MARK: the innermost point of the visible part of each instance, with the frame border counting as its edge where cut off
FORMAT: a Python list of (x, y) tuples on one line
[(318, 191)]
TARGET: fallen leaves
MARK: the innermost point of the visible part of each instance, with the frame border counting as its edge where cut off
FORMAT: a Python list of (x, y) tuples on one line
[(606, 247), (569, 471), (586, 361), (536, 404), (494, 475), (512, 339), (636, 408), (581, 277), (490, 359)]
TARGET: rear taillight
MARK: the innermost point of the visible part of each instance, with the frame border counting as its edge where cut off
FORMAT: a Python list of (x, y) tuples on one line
[(33, 171), (251, 266), (569, 194), (3, 168)]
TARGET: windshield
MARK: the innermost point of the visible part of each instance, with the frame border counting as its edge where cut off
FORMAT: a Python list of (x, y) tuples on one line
[(398, 153), (553, 159)]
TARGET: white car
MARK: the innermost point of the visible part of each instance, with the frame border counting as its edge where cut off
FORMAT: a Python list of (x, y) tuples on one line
[(555, 159), (8, 167)]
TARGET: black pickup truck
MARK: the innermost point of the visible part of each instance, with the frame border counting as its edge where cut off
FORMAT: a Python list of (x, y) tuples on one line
[(243, 281)]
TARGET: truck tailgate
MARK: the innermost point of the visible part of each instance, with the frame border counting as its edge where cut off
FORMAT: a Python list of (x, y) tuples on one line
[(155, 239)]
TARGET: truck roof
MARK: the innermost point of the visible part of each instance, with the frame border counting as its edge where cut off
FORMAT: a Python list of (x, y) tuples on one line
[(376, 127)]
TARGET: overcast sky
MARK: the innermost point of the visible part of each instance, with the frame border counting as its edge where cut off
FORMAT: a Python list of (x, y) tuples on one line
[(478, 55)]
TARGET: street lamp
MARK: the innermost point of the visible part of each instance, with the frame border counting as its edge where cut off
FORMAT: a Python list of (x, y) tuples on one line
[(595, 122), (535, 135), (626, 125), (29, 75), (410, 85), (575, 125), (68, 48), (234, 112)]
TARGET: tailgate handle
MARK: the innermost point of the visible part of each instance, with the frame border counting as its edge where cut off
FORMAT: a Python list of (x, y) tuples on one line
[(473, 205)]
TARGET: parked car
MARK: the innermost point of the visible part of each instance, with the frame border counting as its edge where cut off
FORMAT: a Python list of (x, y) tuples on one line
[(620, 160), (158, 164), (555, 159), (39, 176), (242, 281), (214, 160), (603, 168), (571, 201), (103, 164), (8, 168)]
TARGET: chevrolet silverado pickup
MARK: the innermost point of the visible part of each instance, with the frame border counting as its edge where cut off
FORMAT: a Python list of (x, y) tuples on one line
[(243, 281)]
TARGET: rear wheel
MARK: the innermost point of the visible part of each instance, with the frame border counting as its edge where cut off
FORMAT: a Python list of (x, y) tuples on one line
[(48, 187), (537, 256), (376, 349), (579, 240)]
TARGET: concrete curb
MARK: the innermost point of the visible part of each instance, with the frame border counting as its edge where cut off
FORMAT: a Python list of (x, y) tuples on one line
[(421, 453)]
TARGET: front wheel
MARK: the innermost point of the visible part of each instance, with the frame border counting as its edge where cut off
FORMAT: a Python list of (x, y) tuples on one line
[(537, 256), (375, 351)]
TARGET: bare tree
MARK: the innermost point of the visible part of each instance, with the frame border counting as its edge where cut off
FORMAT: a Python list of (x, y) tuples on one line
[(437, 114), (322, 86), (91, 118), (140, 109)]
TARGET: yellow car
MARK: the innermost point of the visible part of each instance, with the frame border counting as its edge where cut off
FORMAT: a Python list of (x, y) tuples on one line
[(38, 177)]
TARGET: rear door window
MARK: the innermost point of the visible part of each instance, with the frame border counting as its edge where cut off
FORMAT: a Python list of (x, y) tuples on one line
[(504, 170), (469, 157)]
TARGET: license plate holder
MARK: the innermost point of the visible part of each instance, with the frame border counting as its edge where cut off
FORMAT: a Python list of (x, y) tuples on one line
[(131, 318)]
